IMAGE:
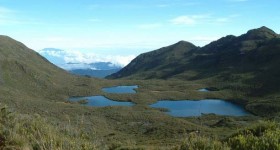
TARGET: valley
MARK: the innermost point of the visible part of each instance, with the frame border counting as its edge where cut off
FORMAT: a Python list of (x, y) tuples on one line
[(33, 87)]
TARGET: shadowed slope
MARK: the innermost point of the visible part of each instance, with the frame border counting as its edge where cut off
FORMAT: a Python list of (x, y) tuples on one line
[(247, 65), (157, 64), (255, 52)]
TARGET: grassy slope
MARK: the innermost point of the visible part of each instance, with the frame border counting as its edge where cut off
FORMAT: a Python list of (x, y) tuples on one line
[(31, 85), (247, 65), (157, 64)]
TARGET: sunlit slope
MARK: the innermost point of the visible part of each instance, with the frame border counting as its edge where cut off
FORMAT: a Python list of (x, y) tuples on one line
[(25, 74)]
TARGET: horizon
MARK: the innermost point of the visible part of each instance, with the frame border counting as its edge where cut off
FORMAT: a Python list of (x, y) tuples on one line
[(129, 28)]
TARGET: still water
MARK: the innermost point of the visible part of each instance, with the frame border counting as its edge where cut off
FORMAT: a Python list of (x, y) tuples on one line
[(203, 90), (100, 101), (187, 108), (121, 89)]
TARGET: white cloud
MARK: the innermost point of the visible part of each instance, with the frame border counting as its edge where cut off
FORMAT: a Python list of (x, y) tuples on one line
[(120, 60), (79, 59), (87, 58), (222, 20), (189, 19), (183, 20)]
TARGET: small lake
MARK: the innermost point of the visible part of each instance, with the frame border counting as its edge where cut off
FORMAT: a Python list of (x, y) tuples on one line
[(100, 101), (188, 108), (121, 89), (209, 89), (203, 90)]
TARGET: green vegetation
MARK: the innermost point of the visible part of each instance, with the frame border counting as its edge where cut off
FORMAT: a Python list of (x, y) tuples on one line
[(37, 92), (248, 65), (34, 132), (196, 142), (263, 136), (19, 131), (83, 101)]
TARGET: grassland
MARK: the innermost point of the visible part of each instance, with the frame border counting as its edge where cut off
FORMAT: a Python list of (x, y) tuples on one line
[(138, 126), (37, 92), (245, 68), (28, 132)]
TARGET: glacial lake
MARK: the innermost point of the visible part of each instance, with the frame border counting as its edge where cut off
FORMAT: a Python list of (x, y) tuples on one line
[(100, 101), (188, 108), (121, 89)]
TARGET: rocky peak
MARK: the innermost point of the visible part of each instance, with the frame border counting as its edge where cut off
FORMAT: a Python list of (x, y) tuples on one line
[(261, 33)]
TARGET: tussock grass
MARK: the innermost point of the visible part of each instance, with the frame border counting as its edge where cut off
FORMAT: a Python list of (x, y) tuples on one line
[(31, 85), (196, 142), (30, 132), (262, 136)]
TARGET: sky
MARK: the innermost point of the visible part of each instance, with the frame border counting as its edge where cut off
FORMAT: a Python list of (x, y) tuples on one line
[(126, 28)]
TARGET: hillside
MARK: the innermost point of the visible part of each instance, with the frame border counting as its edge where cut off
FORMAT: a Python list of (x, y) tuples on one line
[(189, 62), (34, 89), (40, 116), (160, 63), (254, 56), (27, 77), (247, 65)]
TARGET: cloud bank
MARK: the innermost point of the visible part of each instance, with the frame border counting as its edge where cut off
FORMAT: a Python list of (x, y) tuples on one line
[(68, 59)]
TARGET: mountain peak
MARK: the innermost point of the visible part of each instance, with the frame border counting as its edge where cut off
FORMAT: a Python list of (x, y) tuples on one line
[(4, 40), (9, 47), (260, 34), (182, 45), (182, 42)]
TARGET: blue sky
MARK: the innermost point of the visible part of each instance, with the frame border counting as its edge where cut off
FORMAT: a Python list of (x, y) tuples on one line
[(130, 27)]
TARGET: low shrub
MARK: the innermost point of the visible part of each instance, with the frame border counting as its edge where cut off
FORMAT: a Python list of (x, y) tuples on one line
[(34, 132)]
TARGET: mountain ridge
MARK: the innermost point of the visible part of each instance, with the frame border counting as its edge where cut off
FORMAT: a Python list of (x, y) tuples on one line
[(248, 65), (179, 49), (27, 75), (229, 47)]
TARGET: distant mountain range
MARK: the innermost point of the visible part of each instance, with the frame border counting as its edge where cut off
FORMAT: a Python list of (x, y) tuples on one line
[(62, 59), (252, 59)]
